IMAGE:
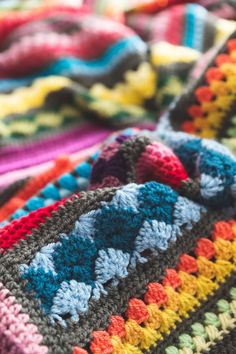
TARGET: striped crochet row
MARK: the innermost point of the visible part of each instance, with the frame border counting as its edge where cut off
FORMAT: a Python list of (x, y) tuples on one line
[(10, 21), (66, 184), (27, 98), (74, 181), (190, 25), (88, 71), (34, 185), (41, 43), (147, 321), (216, 98), (31, 124), (206, 334), (208, 109)]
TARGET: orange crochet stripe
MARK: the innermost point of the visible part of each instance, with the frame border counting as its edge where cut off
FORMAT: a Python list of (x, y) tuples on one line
[(214, 100), (61, 165), (164, 304)]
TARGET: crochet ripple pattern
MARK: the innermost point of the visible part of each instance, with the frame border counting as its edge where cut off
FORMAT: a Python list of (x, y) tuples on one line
[(124, 80), (68, 54)]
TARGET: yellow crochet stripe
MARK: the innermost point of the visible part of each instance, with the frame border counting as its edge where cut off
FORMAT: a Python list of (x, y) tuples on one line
[(230, 143), (164, 53), (173, 87), (223, 29), (215, 111), (141, 84), (23, 99), (108, 109), (193, 289), (49, 120), (138, 86)]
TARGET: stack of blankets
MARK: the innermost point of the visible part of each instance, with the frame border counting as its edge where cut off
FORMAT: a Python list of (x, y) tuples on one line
[(118, 177)]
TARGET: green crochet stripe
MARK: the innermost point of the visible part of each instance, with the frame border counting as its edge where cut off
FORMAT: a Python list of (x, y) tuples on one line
[(206, 334), (36, 122)]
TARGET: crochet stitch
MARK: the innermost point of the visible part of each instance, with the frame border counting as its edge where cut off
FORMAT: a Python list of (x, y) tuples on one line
[(159, 217), (117, 177), (207, 110)]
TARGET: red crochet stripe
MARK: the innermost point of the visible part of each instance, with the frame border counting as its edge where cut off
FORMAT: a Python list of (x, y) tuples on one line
[(174, 32), (23, 227), (12, 20), (159, 163), (38, 51), (153, 6)]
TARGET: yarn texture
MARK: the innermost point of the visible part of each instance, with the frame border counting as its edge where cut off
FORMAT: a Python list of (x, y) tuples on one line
[(117, 177)]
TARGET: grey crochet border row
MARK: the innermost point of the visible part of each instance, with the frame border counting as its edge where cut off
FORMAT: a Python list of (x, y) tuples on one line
[(11, 190)]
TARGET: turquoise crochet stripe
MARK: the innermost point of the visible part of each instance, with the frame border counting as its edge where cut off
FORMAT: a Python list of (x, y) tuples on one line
[(194, 26), (69, 183), (73, 67)]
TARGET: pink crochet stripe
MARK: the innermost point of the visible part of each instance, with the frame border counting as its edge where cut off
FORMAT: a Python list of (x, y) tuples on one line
[(17, 157), (6, 344), (13, 176), (17, 334), (174, 32), (41, 49)]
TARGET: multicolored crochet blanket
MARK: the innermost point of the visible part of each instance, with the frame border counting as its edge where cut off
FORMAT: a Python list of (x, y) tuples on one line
[(117, 177)]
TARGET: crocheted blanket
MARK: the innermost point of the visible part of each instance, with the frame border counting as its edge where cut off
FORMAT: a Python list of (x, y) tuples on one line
[(117, 177)]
